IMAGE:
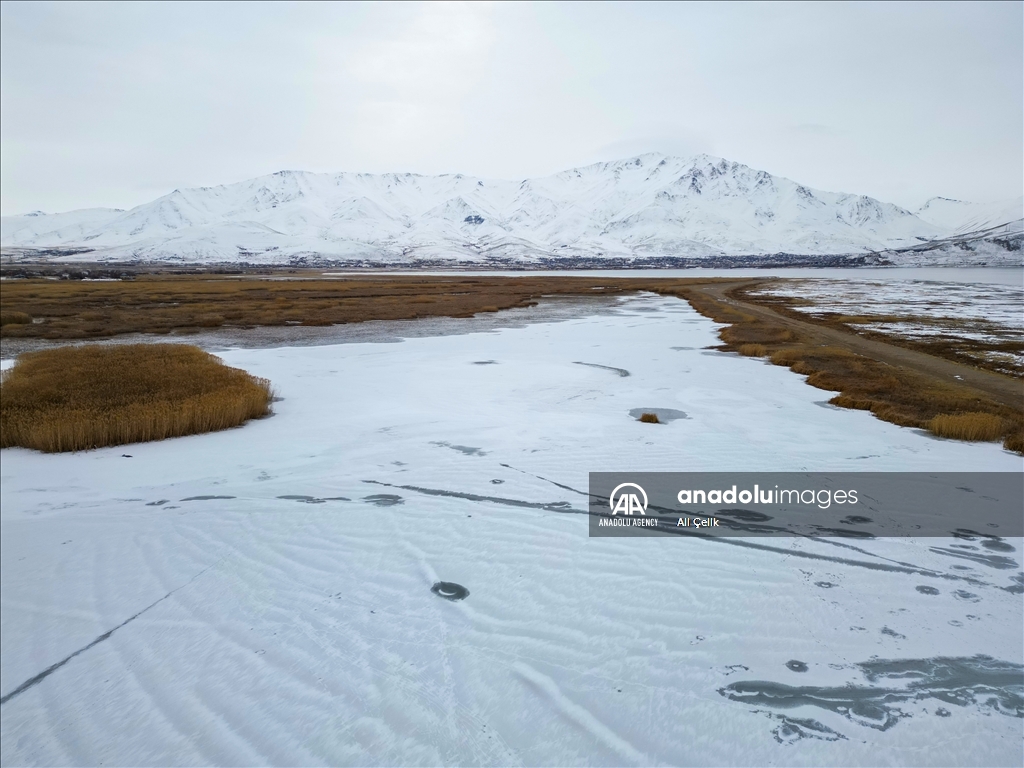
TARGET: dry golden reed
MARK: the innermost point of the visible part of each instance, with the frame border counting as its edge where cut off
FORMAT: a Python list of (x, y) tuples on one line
[(650, 418), (894, 394), (76, 398), (967, 426), (753, 350), (14, 318)]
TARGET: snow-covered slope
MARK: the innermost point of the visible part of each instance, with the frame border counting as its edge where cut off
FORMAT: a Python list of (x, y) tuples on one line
[(962, 217), (650, 205)]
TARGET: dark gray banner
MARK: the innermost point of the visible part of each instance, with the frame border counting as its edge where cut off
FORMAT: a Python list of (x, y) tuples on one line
[(855, 505)]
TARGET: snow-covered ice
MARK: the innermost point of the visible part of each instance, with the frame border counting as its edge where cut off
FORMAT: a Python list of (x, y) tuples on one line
[(280, 574)]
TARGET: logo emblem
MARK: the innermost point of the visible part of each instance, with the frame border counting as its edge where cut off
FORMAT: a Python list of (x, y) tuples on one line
[(626, 502)]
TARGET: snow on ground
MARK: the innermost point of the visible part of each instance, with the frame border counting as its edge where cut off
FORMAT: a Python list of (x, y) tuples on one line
[(279, 575)]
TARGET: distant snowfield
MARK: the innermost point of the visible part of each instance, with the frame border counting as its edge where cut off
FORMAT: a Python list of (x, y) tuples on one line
[(280, 574)]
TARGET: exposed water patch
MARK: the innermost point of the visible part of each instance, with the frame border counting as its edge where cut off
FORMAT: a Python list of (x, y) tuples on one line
[(796, 666), (926, 590), (665, 415), (449, 590), (485, 362), (621, 371), (467, 450), (208, 498), (158, 503)]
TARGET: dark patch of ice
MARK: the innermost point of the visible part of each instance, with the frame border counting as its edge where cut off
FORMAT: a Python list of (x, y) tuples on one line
[(832, 407), (856, 520), (998, 562), (449, 590), (979, 681), (312, 499), (963, 594), (844, 533), (621, 371), (926, 590), (485, 362), (384, 499), (793, 729), (207, 498), (796, 666), (159, 503), (995, 544), (468, 450), (1017, 587)]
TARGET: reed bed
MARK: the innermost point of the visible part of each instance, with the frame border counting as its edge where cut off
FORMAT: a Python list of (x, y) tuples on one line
[(77, 398), (968, 426), (897, 395)]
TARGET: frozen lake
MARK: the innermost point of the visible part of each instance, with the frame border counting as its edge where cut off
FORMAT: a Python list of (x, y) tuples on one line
[(997, 275), (269, 587)]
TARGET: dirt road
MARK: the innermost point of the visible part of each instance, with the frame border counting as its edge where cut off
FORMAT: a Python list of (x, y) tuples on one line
[(1004, 389)]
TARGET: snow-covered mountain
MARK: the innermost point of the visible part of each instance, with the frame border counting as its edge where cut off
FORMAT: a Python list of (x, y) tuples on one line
[(650, 205), (963, 217)]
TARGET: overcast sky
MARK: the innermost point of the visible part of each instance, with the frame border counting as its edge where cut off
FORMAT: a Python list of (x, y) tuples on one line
[(114, 105)]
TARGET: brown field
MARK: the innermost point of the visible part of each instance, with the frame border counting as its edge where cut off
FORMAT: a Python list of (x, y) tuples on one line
[(181, 304), (900, 385), (76, 398), (993, 355)]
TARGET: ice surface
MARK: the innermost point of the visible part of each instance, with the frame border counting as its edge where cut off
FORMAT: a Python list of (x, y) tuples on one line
[(286, 614)]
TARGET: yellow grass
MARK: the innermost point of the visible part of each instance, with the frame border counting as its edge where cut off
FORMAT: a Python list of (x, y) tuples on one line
[(753, 350), (14, 318), (649, 418), (967, 426), (76, 398)]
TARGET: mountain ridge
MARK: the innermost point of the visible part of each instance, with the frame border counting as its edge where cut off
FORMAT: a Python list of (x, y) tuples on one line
[(648, 205)]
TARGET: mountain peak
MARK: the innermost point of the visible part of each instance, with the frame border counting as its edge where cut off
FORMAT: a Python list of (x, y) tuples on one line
[(650, 204)]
